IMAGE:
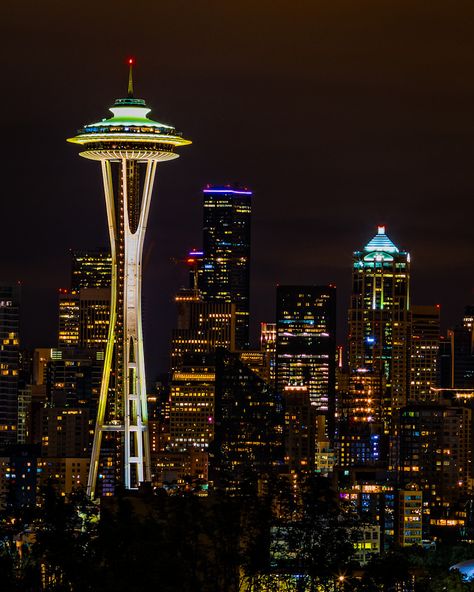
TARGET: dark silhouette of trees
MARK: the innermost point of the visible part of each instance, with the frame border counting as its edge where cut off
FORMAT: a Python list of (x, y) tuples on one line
[(187, 543)]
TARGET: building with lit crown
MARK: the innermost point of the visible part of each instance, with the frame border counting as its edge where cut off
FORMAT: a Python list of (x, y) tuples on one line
[(379, 319), (226, 245), (129, 145)]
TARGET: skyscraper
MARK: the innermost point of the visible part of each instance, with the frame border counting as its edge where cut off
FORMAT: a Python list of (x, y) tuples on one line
[(360, 429), (84, 317), (299, 430), (306, 343), (192, 405), (9, 361), (459, 369), (69, 318), (434, 450), (226, 246), (202, 326), (129, 146), (379, 318), (248, 431), (424, 351), (268, 345), (73, 378), (91, 268)]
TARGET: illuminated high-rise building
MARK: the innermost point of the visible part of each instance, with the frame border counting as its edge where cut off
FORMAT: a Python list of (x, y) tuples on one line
[(433, 448), (468, 320), (194, 261), (226, 246), (259, 362), (69, 318), (248, 430), (379, 319), (306, 344), (268, 345), (424, 351), (408, 516), (360, 439), (299, 430), (84, 310), (94, 314), (73, 378), (91, 268), (65, 432), (459, 361), (192, 405), (201, 327), (9, 361), (128, 145), (84, 318)]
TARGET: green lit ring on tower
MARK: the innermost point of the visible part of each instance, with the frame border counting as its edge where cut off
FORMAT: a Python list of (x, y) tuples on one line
[(129, 134)]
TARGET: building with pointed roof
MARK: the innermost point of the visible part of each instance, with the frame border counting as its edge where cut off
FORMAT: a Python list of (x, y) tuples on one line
[(379, 320)]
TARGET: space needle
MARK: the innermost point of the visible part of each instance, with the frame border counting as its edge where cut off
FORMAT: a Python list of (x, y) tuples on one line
[(128, 145)]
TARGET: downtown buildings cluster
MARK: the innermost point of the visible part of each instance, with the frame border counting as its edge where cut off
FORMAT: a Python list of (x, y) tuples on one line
[(386, 420), (389, 422)]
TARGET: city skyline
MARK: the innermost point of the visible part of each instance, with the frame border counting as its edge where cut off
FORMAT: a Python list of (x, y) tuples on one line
[(251, 369), (368, 155)]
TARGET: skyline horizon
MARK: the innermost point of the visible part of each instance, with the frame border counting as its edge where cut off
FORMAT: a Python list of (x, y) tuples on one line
[(341, 323), (351, 132)]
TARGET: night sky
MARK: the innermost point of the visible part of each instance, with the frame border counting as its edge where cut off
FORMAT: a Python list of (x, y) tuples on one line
[(340, 115)]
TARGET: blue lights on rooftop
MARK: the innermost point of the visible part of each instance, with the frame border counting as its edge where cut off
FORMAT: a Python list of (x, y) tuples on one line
[(227, 190), (381, 242)]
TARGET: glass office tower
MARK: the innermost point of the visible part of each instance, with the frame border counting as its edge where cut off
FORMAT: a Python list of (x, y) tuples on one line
[(226, 246)]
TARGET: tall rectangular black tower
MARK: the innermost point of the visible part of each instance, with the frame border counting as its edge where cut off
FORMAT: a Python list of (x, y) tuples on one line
[(306, 344), (226, 246), (9, 361)]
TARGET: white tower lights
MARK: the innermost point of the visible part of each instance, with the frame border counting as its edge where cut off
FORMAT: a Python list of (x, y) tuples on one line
[(129, 146)]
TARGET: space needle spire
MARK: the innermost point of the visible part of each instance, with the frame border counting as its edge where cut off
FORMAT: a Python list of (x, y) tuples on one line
[(130, 78), (129, 146)]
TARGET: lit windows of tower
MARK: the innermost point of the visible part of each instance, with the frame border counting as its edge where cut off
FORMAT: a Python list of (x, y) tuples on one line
[(379, 317), (226, 246)]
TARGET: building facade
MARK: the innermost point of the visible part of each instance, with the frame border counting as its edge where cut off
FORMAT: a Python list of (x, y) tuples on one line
[(9, 362), (91, 268), (434, 447), (192, 406), (379, 319), (84, 318), (201, 326), (268, 333), (306, 344), (226, 246), (248, 431), (424, 351)]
